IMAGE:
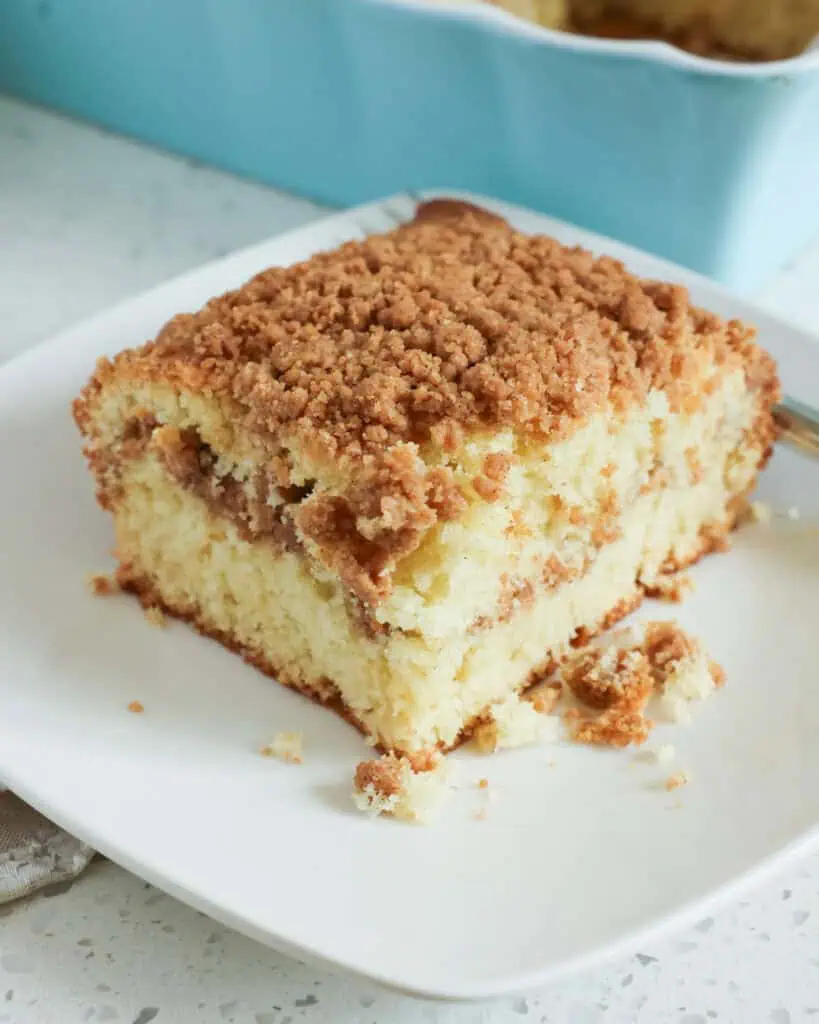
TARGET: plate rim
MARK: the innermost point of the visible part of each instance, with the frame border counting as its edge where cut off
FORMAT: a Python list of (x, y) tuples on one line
[(688, 913)]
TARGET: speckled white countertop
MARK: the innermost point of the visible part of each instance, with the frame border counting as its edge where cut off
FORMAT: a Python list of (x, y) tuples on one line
[(87, 220)]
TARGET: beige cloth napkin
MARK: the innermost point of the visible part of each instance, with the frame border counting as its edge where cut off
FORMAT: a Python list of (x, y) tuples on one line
[(33, 851)]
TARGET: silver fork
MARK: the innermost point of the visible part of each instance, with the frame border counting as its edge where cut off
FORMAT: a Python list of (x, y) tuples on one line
[(799, 424)]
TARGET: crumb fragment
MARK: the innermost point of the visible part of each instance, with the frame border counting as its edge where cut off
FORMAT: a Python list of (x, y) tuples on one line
[(618, 679), (682, 671), (388, 785), (666, 646), (488, 797), (617, 726), (101, 584), (515, 722), (136, 706), (155, 615), (606, 677), (383, 776), (676, 781), (286, 746)]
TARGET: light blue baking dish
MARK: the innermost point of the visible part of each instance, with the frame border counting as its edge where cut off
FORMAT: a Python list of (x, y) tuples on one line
[(710, 164)]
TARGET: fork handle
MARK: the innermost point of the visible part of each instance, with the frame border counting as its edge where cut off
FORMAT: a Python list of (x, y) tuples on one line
[(799, 424)]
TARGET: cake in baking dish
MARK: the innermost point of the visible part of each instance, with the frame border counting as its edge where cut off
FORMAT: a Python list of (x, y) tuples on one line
[(405, 475), (739, 29)]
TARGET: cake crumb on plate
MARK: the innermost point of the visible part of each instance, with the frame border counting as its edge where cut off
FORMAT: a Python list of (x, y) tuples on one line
[(682, 670), (616, 682), (101, 584), (136, 706), (676, 781), (390, 786), (488, 796), (618, 679), (604, 677), (617, 726), (286, 746)]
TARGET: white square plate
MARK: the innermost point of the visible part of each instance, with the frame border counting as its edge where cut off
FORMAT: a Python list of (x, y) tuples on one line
[(573, 861)]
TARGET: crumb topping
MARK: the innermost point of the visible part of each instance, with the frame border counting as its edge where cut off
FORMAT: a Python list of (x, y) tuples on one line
[(613, 676), (495, 469), (383, 774), (618, 726), (453, 319), (453, 323), (666, 646)]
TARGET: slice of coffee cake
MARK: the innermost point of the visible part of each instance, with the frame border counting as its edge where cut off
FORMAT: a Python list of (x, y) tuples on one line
[(403, 476)]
